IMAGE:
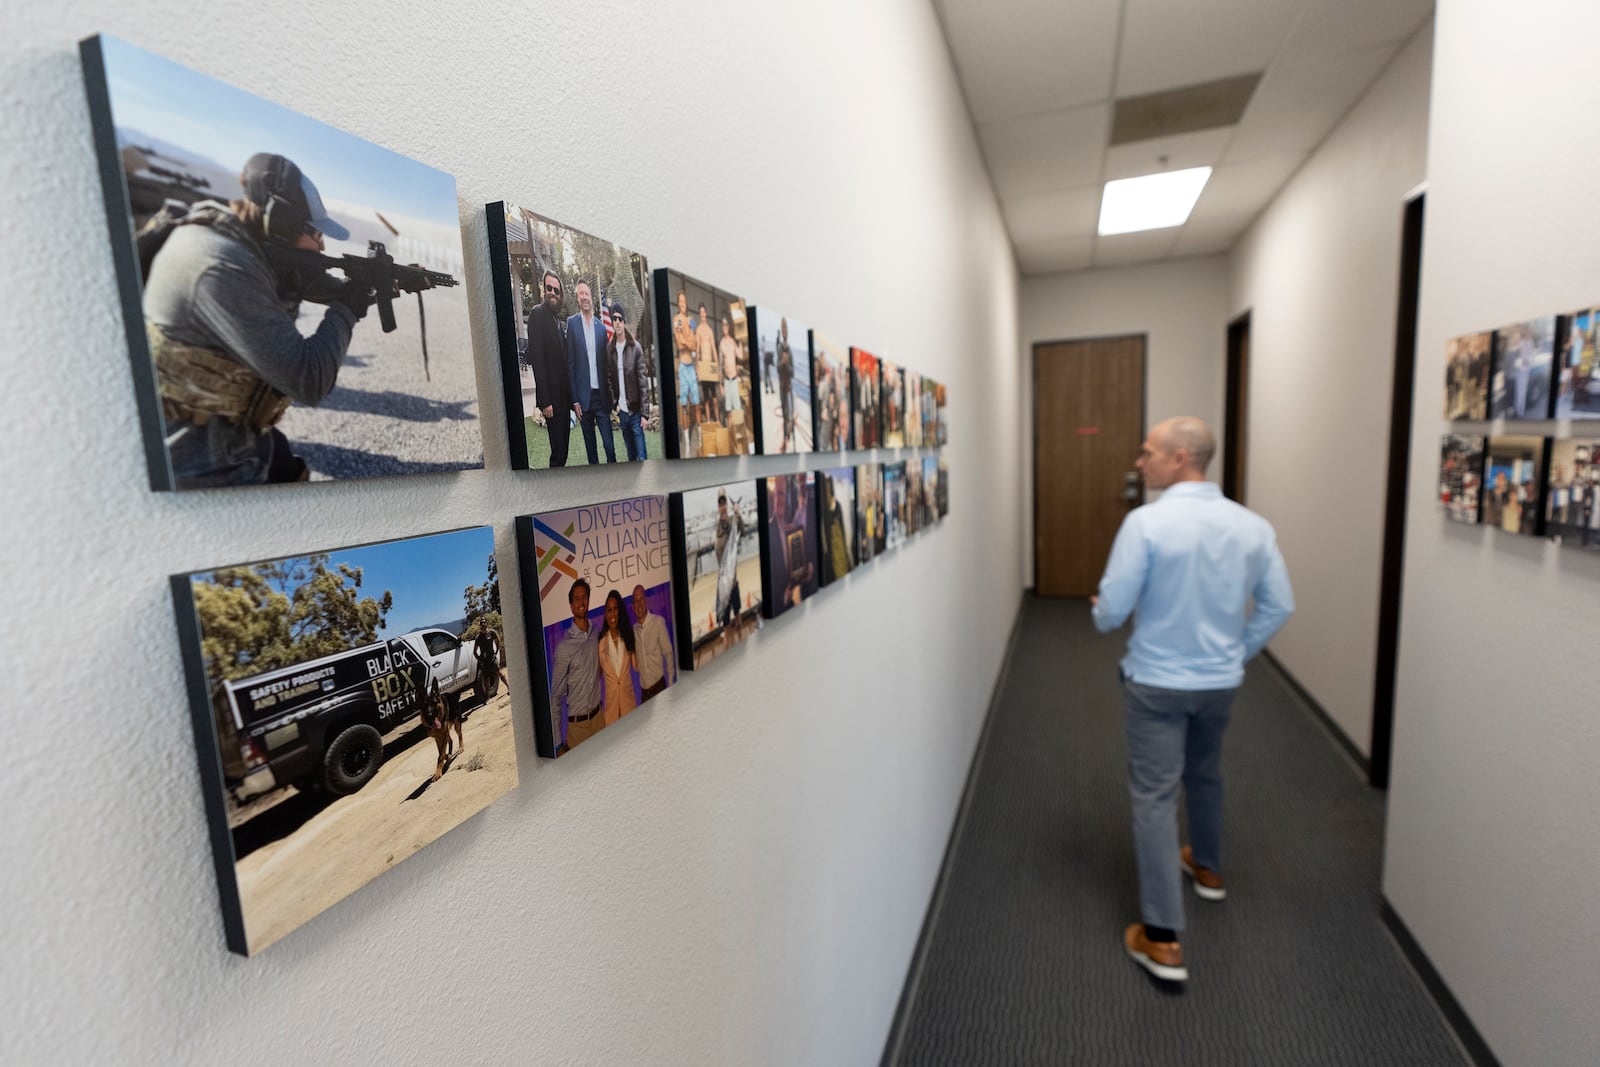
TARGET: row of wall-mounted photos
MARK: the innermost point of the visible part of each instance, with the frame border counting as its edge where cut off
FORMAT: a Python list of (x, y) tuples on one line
[(317, 681), (1536, 486), (267, 265), (1540, 369)]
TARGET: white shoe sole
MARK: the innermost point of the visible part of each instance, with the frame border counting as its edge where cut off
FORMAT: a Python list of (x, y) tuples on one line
[(1203, 892), (1160, 970)]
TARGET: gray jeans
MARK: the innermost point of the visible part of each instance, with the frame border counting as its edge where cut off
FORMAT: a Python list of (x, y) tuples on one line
[(1174, 736)]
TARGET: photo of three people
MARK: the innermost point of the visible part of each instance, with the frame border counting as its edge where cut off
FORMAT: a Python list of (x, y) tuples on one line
[(602, 577), (577, 344), (1513, 482)]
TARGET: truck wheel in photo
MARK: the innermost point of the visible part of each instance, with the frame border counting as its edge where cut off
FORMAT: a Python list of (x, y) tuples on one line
[(351, 760)]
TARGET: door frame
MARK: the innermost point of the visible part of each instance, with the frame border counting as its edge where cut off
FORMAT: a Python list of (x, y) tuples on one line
[(1144, 413), (1392, 569), (1236, 381)]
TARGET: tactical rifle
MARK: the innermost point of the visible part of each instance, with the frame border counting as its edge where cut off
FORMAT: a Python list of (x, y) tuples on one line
[(377, 269)]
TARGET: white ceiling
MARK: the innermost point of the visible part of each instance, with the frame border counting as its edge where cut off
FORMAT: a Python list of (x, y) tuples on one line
[(1041, 76)]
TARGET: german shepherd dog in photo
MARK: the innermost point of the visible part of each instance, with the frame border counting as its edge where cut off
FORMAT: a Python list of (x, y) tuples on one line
[(439, 716)]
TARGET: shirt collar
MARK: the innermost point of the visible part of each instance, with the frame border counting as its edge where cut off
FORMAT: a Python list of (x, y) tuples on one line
[(1200, 490)]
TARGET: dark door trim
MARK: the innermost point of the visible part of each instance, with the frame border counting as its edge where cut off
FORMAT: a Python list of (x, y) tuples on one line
[(1233, 425), (1394, 523), (1144, 415)]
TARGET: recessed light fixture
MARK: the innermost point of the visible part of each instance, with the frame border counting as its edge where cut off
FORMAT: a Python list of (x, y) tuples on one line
[(1152, 202)]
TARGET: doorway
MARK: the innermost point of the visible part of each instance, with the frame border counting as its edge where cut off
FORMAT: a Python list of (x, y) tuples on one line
[(1236, 412), (1394, 523), (1088, 423)]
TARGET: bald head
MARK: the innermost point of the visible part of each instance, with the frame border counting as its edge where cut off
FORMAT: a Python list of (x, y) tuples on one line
[(1192, 436), (1177, 450)]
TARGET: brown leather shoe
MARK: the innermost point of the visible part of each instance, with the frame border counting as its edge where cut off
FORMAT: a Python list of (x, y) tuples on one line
[(1207, 883), (1164, 959)]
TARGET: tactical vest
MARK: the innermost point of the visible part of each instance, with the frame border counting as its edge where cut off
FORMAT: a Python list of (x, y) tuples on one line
[(198, 383)]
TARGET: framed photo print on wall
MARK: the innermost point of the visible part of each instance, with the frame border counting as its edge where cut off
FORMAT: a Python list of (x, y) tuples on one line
[(790, 561), (1513, 483), (705, 368), (579, 370), (1572, 495), (716, 559), (1578, 382), (350, 707), (836, 513), (892, 405), (291, 293), (1466, 376), (783, 368), (1461, 476), (597, 584), (866, 384), (1524, 358), (830, 363)]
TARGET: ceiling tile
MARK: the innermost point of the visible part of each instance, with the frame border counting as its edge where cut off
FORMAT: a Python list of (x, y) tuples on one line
[(1330, 27), (1054, 256), (1298, 103), (1202, 149), (1125, 249), (1203, 237), (1026, 56), (1047, 215), (1043, 153), (1244, 188), (1166, 44)]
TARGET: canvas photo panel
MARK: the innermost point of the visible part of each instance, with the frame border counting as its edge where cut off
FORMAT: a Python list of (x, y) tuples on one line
[(913, 419), (578, 359), (931, 481), (782, 356), (1524, 356), (1466, 376), (892, 405), (705, 368), (1578, 385), (1461, 476), (716, 559), (836, 521), (942, 496), (941, 393), (1513, 481), (790, 564), (830, 370), (930, 412), (350, 707), (913, 509), (600, 579), (894, 504), (292, 293), (871, 523), (1572, 497), (866, 383)]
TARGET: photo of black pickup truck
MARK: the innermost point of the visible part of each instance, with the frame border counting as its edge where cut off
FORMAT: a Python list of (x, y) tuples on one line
[(320, 724)]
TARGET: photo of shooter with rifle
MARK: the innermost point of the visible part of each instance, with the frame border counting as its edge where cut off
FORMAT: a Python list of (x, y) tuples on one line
[(257, 360)]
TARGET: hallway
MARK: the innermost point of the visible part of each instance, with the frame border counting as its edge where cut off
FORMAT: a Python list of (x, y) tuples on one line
[(1024, 962)]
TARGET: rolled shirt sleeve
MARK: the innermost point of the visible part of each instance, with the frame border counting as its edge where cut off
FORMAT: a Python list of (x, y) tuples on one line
[(1124, 576)]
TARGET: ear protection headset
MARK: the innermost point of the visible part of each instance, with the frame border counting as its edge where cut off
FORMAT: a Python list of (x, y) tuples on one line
[(273, 182)]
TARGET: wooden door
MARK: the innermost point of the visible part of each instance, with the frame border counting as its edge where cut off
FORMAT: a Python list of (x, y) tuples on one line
[(1088, 424)]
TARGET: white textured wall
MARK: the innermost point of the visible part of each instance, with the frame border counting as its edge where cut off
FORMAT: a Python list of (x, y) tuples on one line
[(734, 876), (1319, 273), (1181, 305), (1493, 848)]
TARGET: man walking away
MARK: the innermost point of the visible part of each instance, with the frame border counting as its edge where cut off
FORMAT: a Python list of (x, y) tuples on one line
[(1186, 566)]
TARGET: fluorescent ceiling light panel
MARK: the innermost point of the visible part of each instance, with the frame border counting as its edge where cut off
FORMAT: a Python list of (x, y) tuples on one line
[(1152, 202)]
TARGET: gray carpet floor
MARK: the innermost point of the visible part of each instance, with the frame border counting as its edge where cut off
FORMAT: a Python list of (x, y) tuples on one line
[(1024, 961)]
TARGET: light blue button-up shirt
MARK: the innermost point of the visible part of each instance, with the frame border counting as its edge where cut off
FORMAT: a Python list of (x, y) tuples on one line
[(1188, 565)]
